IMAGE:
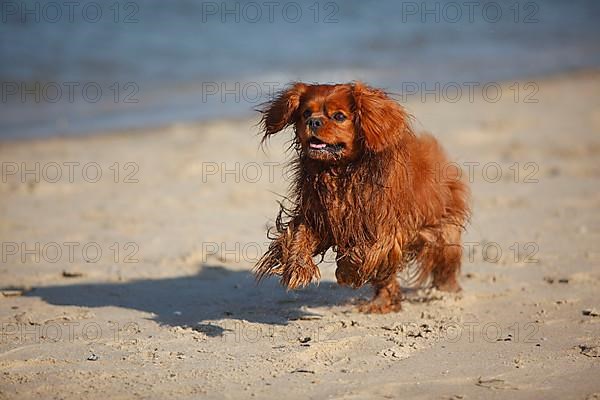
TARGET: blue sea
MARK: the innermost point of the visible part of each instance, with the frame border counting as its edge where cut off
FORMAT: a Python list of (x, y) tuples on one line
[(80, 67)]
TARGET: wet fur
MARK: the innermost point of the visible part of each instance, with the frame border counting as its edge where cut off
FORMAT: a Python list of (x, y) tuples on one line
[(381, 207)]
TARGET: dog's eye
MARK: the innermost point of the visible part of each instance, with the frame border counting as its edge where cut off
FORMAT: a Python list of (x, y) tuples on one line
[(338, 116), (306, 113)]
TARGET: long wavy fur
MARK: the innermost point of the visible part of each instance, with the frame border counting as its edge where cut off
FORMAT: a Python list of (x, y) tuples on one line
[(381, 212)]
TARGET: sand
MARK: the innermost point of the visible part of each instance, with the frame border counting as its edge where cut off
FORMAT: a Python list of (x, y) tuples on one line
[(170, 306)]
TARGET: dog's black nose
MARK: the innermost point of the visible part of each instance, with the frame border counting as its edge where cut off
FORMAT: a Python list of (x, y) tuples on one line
[(314, 123)]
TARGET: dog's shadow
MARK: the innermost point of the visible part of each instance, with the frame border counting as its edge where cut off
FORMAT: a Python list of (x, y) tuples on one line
[(195, 301)]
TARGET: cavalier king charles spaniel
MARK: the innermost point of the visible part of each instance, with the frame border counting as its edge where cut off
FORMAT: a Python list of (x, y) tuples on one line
[(367, 187)]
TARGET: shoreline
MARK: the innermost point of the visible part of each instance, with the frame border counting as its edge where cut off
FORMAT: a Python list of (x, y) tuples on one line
[(247, 114)]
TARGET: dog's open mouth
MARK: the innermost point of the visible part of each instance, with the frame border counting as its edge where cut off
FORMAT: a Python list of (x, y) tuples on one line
[(317, 146)]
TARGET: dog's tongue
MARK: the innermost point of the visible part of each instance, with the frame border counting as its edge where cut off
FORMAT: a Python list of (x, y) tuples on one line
[(318, 145)]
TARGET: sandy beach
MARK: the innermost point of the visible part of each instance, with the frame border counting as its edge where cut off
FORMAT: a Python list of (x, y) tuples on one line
[(127, 257)]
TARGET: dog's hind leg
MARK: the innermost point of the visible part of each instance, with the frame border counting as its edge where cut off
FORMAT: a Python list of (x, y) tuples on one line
[(440, 257)]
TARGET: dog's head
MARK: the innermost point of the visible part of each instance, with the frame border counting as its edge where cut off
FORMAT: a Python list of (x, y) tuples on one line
[(337, 123)]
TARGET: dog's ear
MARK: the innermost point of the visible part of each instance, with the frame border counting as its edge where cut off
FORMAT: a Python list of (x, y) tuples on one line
[(381, 120), (281, 111)]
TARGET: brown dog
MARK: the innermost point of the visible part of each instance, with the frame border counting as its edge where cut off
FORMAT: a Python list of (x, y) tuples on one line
[(368, 188)]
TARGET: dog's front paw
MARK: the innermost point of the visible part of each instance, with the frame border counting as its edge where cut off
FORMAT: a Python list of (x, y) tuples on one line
[(380, 306), (388, 298), (348, 274), (300, 273)]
